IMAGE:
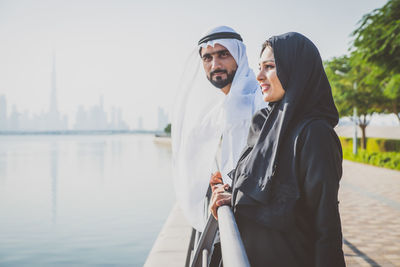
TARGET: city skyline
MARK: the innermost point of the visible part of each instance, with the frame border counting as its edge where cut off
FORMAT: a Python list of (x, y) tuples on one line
[(92, 118)]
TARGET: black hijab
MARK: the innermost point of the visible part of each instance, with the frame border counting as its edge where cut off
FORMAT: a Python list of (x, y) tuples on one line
[(307, 96)]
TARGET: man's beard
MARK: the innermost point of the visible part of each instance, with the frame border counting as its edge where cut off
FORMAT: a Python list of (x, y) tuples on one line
[(221, 83)]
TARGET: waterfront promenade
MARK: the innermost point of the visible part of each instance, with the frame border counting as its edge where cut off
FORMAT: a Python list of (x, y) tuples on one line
[(389, 132), (370, 210)]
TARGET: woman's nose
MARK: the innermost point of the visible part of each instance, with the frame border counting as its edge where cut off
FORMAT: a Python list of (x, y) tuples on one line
[(260, 76)]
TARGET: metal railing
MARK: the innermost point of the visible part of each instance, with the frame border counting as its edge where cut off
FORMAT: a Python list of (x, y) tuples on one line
[(201, 245), (232, 248), (233, 252)]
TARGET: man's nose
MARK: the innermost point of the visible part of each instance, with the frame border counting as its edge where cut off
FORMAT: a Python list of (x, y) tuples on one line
[(216, 63)]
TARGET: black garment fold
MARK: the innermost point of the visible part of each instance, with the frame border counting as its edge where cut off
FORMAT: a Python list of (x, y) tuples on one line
[(286, 182), (298, 232)]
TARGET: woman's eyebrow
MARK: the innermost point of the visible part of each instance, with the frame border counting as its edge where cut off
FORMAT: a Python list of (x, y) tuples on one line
[(266, 61)]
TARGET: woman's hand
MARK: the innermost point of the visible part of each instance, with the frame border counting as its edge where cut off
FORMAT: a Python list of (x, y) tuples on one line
[(216, 179), (219, 198)]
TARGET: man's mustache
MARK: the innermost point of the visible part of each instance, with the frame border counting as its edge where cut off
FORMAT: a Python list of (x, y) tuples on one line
[(220, 71)]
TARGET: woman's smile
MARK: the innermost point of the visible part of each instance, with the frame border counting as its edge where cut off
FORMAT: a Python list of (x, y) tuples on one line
[(265, 87)]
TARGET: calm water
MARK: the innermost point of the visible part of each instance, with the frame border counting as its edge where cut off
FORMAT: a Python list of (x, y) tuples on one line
[(82, 200)]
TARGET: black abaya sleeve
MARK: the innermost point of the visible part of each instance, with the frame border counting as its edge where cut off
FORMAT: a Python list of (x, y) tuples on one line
[(320, 163)]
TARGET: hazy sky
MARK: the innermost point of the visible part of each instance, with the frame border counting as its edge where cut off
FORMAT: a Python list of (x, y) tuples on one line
[(133, 52)]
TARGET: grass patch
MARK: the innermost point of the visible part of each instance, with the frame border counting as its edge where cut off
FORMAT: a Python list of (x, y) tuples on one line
[(380, 152), (390, 160)]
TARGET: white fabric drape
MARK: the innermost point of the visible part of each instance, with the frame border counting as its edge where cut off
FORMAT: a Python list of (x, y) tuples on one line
[(202, 114)]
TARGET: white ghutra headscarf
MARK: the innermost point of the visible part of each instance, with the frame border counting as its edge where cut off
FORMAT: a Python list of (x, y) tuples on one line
[(202, 115)]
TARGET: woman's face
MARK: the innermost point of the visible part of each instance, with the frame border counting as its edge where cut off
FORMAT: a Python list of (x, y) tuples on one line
[(271, 87)]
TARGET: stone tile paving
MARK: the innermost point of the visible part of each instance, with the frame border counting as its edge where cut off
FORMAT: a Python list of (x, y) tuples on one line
[(370, 212)]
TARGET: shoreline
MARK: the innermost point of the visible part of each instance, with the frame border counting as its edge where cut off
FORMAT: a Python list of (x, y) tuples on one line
[(162, 140), (171, 245)]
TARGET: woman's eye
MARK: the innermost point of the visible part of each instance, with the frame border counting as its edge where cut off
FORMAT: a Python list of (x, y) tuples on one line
[(268, 67)]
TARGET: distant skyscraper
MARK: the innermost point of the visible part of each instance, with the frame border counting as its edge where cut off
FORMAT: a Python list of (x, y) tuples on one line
[(50, 120), (95, 119), (113, 123), (162, 119), (121, 124), (98, 117), (54, 121), (53, 97), (140, 123), (3, 113), (81, 122), (14, 119)]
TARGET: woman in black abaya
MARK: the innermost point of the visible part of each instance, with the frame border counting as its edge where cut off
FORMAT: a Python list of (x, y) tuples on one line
[(285, 185)]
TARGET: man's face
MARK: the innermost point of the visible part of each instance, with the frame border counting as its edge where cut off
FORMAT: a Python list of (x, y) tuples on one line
[(219, 65)]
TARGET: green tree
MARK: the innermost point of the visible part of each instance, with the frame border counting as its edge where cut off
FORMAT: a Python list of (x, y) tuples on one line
[(167, 129), (377, 40), (391, 91), (353, 85), (338, 70)]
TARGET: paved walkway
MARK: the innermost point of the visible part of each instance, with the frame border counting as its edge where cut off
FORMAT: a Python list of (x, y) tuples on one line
[(370, 212), (390, 132)]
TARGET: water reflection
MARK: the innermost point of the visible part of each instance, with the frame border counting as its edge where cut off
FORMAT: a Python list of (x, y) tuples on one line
[(86, 200), (3, 167), (91, 152), (53, 175)]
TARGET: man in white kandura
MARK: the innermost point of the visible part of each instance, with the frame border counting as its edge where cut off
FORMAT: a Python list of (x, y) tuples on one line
[(206, 118)]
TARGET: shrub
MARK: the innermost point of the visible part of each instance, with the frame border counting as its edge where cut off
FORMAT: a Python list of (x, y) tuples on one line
[(374, 144), (167, 128), (380, 152)]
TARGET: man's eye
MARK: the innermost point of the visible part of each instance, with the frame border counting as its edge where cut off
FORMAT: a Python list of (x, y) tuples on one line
[(207, 58), (224, 54)]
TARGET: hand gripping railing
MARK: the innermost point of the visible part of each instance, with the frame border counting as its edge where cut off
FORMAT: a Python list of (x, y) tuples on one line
[(233, 252)]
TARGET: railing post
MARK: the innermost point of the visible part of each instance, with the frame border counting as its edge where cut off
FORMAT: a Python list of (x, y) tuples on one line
[(204, 261), (206, 241)]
